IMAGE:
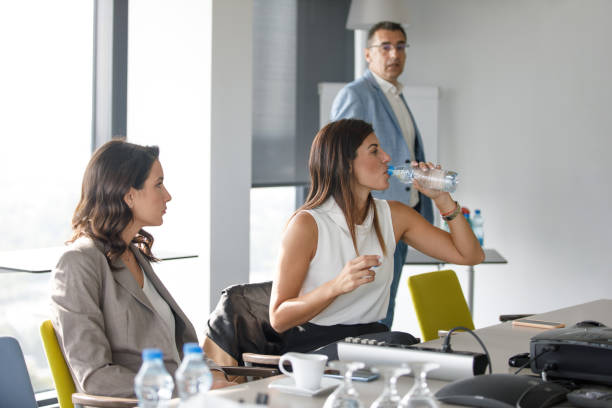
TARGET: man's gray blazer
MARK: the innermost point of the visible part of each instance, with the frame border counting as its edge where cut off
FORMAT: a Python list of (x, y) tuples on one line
[(103, 320), (363, 99)]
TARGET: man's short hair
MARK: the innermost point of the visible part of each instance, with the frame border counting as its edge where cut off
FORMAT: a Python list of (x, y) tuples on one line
[(385, 25)]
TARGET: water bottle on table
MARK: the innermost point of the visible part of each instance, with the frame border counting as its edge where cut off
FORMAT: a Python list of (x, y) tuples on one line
[(435, 179), (153, 385), (478, 226), (193, 377)]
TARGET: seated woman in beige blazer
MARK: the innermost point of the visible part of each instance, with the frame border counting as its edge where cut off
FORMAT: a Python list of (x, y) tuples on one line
[(108, 304)]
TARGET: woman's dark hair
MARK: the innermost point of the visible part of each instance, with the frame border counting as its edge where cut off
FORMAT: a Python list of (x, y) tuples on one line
[(102, 213), (331, 156)]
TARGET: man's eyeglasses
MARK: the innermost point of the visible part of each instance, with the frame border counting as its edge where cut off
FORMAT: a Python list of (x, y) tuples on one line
[(387, 47)]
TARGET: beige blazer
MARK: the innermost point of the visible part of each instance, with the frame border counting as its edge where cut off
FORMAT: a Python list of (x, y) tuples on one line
[(103, 320)]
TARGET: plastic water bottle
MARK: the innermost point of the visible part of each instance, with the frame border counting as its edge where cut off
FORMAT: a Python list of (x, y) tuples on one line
[(435, 179), (153, 385), (478, 226), (444, 224), (466, 213), (193, 377)]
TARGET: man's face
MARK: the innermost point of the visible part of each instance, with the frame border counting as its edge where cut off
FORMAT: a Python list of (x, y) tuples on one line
[(386, 64)]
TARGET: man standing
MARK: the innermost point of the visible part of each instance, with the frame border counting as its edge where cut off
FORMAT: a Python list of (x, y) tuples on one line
[(377, 98)]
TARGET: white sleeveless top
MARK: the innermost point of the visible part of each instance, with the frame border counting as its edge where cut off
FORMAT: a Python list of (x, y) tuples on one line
[(368, 303)]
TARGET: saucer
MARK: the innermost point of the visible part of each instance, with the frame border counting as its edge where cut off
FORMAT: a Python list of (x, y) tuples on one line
[(287, 385)]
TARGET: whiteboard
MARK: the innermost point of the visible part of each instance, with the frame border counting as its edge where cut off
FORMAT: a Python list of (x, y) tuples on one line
[(422, 100)]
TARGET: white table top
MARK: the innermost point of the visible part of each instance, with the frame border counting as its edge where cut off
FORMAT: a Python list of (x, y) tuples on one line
[(503, 340), (414, 257), (43, 260)]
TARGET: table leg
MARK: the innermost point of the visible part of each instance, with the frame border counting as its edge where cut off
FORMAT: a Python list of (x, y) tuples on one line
[(470, 294)]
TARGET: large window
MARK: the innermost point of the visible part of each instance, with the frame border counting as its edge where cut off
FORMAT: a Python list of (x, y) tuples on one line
[(271, 208), (45, 131)]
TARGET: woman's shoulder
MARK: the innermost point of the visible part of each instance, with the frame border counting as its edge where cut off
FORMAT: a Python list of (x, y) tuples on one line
[(384, 207), (303, 220), (85, 246), (83, 252), (399, 210), (397, 206), (301, 230), (380, 203)]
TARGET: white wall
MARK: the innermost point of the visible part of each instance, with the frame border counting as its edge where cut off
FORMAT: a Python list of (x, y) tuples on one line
[(189, 91), (231, 133), (168, 98), (524, 118)]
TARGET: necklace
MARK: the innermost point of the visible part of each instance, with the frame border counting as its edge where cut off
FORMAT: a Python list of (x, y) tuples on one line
[(132, 264), (128, 257)]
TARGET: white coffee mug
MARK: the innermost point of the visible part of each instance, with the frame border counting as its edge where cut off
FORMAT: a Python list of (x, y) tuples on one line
[(307, 369)]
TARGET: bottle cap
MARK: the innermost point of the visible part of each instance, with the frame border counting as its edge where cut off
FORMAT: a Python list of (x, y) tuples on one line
[(191, 348), (390, 170), (149, 354), (477, 212), (451, 179)]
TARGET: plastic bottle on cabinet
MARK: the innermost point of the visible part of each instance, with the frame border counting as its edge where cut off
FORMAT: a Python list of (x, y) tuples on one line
[(444, 224), (435, 179), (193, 377), (466, 213), (478, 226), (153, 385)]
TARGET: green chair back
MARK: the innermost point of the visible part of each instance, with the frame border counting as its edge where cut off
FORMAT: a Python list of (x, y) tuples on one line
[(439, 303), (64, 384)]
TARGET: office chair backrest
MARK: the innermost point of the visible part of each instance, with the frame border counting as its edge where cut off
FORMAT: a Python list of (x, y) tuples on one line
[(439, 303), (64, 384), (15, 386), (240, 323)]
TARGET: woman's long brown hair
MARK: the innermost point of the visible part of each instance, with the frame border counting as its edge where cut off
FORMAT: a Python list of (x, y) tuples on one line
[(102, 213), (331, 156)]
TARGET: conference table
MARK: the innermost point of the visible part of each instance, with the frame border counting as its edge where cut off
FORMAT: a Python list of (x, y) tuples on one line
[(414, 257), (502, 340)]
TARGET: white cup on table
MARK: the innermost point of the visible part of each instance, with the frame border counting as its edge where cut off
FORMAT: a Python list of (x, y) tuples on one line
[(307, 369)]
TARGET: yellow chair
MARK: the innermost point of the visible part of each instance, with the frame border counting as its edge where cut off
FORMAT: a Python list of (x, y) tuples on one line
[(439, 303), (64, 384)]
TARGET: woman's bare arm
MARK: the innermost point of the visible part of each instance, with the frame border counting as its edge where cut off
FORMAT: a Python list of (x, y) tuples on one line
[(298, 247), (459, 247)]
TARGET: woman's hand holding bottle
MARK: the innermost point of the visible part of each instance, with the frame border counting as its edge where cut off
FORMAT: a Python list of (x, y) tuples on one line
[(430, 177), (443, 199)]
